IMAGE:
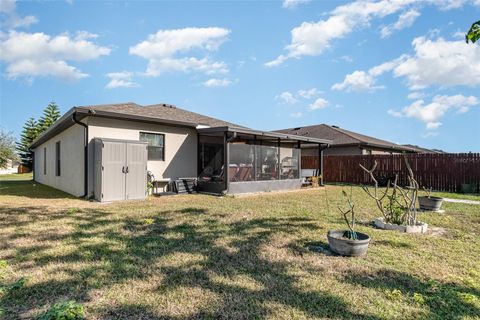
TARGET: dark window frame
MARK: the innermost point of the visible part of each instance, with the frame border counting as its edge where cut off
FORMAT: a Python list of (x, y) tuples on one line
[(57, 158), (45, 161), (152, 148)]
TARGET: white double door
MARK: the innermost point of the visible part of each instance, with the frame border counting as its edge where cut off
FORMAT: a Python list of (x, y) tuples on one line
[(124, 170)]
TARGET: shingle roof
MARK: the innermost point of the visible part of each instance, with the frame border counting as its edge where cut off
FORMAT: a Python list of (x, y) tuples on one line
[(161, 112), (157, 113), (341, 136), (423, 150)]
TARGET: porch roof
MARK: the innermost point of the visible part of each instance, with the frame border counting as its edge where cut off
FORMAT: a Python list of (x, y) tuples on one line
[(215, 131)]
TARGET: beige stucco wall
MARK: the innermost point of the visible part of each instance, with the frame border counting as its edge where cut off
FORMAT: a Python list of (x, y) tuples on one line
[(71, 179), (180, 145)]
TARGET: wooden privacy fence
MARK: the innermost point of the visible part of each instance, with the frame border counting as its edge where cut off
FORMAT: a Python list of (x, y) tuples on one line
[(443, 172)]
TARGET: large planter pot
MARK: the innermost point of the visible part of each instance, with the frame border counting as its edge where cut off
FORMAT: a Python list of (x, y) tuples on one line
[(430, 203), (421, 227), (346, 247)]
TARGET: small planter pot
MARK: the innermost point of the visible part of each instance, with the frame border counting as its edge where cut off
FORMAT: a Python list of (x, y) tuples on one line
[(430, 203), (421, 227), (346, 247)]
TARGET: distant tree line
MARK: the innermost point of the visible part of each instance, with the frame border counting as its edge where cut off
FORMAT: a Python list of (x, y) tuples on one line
[(32, 129)]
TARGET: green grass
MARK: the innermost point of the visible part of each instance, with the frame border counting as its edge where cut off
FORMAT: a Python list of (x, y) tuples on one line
[(199, 256), (16, 176)]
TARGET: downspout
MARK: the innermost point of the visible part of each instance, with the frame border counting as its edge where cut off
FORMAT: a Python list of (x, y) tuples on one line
[(85, 154)]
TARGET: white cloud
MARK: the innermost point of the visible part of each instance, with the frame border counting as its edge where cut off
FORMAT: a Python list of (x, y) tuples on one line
[(292, 98), (121, 80), (296, 114), (162, 50), (394, 113), (319, 103), (38, 54), (440, 62), (290, 4), (435, 63), (415, 95), (11, 20), (405, 20), (217, 82), (313, 38), (357, 81), (308, 94), (433, 112), (286, 97)]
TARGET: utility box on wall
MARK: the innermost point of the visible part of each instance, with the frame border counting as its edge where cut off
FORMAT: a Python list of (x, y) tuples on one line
[(120, 169)]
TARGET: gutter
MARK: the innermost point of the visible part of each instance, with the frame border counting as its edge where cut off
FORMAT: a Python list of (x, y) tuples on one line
[(85, 153)]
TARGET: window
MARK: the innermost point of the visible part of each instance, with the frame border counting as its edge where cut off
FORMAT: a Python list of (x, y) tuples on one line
[(156, 145), (57, 159), (44, 161)]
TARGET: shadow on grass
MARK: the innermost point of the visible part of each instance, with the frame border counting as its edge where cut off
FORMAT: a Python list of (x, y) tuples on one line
[(100, 264), (31, 189), (444, 300)]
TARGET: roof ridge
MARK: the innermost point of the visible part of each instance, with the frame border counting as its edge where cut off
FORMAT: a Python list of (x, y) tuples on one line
[(108, 104), (338, 129)]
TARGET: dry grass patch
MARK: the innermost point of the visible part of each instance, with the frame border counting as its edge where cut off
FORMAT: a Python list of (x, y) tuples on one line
[(200, 256)]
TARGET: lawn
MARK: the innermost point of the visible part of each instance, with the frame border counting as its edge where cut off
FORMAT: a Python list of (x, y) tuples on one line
[(199, 256)]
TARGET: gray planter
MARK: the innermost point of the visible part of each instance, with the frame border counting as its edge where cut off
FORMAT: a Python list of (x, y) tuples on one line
[(347, 247), (430, 203)]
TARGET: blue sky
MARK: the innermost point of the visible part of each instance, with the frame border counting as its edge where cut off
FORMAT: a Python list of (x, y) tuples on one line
[(397, 70)]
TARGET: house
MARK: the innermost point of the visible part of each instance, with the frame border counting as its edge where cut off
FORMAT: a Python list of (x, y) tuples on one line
[(11, 167), (345, 142), (105, 151), (419, 149)]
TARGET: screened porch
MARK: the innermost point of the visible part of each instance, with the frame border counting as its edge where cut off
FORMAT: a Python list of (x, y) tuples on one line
[(239, 160)]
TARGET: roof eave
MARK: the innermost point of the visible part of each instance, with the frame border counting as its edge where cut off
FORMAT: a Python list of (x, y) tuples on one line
[(263, 133)]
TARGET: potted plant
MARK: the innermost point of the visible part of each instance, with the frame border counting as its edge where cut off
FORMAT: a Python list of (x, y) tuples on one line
[(428, 202), (315, 180), (397, 204), (348, 242)]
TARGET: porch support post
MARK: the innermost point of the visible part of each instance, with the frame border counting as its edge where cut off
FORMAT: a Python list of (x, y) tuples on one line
[(199, 158), (320, 163), (255, 158), (278, 156), (299, 145), (226, 164)]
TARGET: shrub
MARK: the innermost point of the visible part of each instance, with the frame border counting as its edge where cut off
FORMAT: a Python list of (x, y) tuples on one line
[(418, 298), (67, 310), (148, 221)]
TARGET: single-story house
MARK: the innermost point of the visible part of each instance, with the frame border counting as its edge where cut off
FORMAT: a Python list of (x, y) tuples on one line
[(11, 167), (345, 142), (419, 149), (105, 151)]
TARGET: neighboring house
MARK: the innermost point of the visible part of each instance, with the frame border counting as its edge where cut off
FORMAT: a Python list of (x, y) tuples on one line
[(12, 167), (344, 142), (105, 151), (423, 150)]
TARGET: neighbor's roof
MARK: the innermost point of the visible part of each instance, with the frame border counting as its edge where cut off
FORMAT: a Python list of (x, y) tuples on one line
[(423, 150), (342, 137), (157, 113)]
